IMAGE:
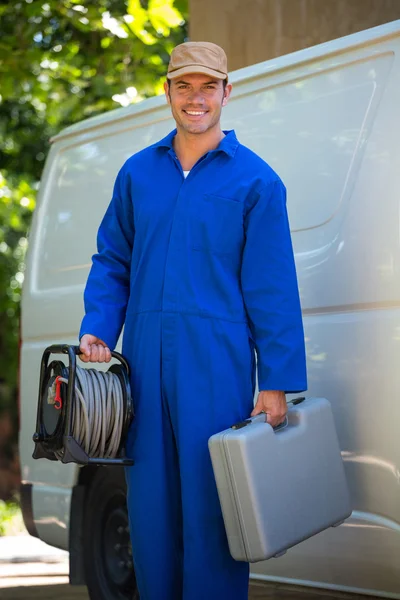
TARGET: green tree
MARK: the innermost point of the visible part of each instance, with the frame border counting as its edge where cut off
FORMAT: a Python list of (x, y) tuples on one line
[(62, 61)]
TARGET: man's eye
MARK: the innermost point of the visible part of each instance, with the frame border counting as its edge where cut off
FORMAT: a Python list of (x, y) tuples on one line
[(182, 87)]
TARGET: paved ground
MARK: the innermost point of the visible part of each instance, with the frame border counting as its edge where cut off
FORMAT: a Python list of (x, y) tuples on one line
[(32, 570), (44, 581), (27, 549), (46, 586)]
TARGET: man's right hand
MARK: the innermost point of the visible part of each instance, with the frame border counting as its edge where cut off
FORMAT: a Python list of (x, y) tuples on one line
[(93, 349)]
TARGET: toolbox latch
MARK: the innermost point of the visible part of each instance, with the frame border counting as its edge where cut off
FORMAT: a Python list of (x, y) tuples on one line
[(298, 400), (241, 424)]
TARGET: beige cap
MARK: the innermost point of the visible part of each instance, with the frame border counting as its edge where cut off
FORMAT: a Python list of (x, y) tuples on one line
[(198, 57)]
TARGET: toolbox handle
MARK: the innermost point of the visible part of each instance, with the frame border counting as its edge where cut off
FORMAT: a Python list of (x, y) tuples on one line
[(279, 427), (261, 418)]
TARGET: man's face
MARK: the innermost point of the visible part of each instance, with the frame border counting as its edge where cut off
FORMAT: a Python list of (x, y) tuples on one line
[(196, 101)]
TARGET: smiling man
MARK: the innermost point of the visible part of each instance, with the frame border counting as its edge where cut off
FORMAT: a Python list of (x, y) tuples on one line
[(195, 257)]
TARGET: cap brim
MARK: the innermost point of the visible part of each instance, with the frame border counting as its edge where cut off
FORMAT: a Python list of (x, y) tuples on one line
[(195, 69)]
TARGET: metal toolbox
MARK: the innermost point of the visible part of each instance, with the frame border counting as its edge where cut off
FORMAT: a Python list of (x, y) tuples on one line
[(278, 487)]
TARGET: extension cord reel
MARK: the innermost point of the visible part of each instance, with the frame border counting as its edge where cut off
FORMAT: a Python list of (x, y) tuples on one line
[(83, 415)]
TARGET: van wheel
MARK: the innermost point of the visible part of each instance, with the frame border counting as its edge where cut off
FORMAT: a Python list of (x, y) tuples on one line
[(107, 547)]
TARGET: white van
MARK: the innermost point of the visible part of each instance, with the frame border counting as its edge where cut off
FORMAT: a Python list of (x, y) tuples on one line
[(327, 119)]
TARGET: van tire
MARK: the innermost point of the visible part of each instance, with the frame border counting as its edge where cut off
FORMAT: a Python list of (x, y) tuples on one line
[(107, 552)]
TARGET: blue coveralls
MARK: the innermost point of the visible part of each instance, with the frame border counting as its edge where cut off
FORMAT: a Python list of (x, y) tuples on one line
[(201, 271)]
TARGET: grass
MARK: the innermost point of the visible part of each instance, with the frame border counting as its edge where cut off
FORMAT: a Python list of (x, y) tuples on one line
[(11, 521)]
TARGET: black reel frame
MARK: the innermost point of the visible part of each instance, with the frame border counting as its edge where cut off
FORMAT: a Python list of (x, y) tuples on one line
[(61, 439)]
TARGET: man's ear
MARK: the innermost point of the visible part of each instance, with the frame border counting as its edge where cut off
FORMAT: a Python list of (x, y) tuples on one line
[(227, 93), (166, 90)]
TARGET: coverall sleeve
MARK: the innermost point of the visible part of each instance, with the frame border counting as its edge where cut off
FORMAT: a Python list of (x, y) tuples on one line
[(107, 289), (270, 292)]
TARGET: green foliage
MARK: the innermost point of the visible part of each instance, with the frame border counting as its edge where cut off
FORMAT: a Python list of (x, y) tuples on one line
[(10, 518), (62, 61), (17, 201)]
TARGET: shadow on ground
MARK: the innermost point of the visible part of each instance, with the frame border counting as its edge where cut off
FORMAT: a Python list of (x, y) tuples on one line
[(257, 592)]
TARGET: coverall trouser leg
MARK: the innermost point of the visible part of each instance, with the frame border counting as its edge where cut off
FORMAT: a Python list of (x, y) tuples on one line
[(191, 378)]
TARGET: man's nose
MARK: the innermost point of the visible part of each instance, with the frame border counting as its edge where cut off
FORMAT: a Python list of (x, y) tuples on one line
[(196, 97)]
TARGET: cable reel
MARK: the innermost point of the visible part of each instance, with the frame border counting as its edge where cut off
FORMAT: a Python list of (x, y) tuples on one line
[(83, 415)]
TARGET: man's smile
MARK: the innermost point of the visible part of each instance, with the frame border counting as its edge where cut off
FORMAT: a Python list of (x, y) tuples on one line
[(195, 113)]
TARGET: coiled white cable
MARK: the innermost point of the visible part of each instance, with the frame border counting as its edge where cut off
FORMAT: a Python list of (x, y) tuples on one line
[(97, 412)]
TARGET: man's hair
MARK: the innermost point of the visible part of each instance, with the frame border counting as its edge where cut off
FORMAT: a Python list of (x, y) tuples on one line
[(224, 83)]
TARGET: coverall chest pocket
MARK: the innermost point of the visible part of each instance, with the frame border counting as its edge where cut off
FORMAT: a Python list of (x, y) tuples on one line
[(216, 224)]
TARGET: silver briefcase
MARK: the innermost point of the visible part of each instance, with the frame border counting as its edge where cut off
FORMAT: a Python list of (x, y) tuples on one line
[(278, 487)]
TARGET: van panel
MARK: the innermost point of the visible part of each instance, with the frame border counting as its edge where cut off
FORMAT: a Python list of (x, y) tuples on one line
[(51, 511), (320, 128), (323, 113), (353, 358), (334, 563), (326, 119), (79, 190), (74, 196)]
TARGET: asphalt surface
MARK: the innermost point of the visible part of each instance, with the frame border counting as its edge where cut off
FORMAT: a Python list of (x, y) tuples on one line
[(45, 588), (32, 570), (43, 581)]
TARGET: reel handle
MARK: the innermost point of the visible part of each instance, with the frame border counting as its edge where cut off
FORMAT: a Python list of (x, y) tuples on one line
[(74, 351), (114, 354)]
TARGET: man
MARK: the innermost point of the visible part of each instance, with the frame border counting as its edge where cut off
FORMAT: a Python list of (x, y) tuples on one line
[(195, 256)]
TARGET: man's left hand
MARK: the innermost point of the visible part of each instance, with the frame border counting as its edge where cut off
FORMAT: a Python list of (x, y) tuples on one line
[(273, 403)]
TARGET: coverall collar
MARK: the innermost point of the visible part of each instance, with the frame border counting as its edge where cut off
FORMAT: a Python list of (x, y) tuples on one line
[(228, 144)]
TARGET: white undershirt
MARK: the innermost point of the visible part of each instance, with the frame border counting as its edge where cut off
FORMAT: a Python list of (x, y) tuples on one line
[(186, 173)]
